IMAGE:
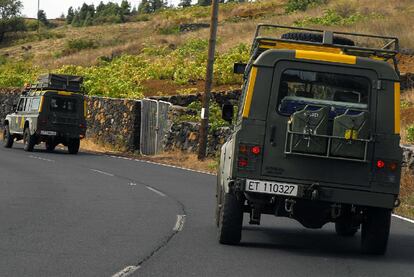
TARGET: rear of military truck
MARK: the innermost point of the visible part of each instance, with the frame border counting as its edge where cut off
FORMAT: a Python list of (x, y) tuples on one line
[(318, 140)]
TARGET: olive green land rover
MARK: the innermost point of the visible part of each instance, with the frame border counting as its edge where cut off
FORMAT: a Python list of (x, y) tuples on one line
[(52, 111), (317, 135)]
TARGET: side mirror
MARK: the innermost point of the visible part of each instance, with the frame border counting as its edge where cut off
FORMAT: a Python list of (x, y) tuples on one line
[(239, 68), (227, 112)]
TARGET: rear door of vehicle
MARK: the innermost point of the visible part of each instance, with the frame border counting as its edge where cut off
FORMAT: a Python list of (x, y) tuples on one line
[(316, 168), (64, 111)]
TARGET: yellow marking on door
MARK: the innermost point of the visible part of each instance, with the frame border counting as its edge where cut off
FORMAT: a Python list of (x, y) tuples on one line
[(249, 95), (326, 57), (397, 122), (41, 104), (85, 108), (22, 123)]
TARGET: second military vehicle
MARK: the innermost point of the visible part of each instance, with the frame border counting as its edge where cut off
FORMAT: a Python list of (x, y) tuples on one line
[(317, 135), (52, 111)]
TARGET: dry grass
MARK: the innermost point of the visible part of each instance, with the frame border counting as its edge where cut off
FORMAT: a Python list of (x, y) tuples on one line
[(407, 194)]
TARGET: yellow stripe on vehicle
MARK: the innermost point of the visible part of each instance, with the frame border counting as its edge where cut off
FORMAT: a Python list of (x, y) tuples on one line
[(65, 93), (85, 108), (397, 123), (325, 57), (41, 104), (268, 44), (249, 95)]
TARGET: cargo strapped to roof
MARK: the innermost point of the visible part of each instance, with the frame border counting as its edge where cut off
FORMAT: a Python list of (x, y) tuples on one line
[(268, 36), (58, 82)]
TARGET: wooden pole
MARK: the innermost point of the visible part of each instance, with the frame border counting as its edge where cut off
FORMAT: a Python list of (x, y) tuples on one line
[(202, 148)]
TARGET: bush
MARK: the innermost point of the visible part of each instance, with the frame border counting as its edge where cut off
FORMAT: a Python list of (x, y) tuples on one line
[(301, 5), (330, 18), (77, 45), (410, 133)]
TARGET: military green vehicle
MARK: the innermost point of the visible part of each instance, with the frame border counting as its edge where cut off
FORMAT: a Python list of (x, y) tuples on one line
[(52, 111), (317, 135)]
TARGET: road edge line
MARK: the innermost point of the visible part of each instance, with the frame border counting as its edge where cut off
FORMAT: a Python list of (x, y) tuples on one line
[(126, 271), (403, 218)]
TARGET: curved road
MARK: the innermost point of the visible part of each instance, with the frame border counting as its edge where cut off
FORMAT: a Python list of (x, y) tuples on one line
[(97, 215)]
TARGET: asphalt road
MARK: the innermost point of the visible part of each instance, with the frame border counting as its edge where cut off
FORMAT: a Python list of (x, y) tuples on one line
[(97, 215)]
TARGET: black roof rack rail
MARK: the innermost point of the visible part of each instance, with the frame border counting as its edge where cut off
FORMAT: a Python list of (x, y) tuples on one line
[(388, 51)]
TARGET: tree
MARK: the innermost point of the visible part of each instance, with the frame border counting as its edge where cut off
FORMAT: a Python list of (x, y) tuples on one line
[(204, 2), (185, 3), (88, 20), (76, 22), (157, 5), (144, 7), (10, 20), (70, 16), (126, 7), (41, 16)]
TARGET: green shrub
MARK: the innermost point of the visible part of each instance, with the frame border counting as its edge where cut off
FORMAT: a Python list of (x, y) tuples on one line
[(330, 18), (301, 5), (77, 45), (169, 30), (410, 133), (17, 73)]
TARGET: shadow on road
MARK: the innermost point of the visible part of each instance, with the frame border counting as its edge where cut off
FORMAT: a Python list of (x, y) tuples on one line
[(325, 243)]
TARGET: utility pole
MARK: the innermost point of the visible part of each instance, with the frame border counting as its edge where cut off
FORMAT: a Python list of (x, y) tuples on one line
[(202, 146), (38, 19)]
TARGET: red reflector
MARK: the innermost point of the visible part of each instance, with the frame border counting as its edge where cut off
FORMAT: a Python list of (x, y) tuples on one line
[(392, 166), (256, 150), (242, 163), (243, 148), (380, 164)]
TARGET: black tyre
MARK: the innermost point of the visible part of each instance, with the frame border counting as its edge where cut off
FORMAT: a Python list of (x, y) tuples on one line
[(316, 38), (7, 137), (231, 219), (28, 140), (375, 231), (50, 146), (345, 229), (73, 146)]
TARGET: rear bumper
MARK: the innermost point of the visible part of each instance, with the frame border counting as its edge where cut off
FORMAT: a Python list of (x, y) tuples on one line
[(334, 195)]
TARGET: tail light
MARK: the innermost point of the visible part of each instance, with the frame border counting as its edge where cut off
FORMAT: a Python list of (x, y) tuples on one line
[(82, 126), (248, 156), (380, 164)]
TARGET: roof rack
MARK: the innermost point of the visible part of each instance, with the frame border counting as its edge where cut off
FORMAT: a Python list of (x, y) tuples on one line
[(58, 82), (388, 51)]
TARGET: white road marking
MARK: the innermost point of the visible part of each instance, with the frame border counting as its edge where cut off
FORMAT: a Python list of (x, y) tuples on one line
[(156, 191), (41, 159), (102, 172), (165, 165), (403, 218), (179, 225), (126, 271), (132, 184)]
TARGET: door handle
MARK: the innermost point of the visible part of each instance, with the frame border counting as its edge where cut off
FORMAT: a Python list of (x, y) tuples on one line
[(273, 136)]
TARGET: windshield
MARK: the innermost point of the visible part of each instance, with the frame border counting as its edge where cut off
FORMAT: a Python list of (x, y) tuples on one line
[(60, 104), (299, 88)]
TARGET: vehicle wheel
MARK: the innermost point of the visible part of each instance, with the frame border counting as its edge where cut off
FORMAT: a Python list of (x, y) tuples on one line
[(50, 146), (73, 146), (28, 140), (375, 231), (316, 38), (7, 137), (231, 219), (345, 229)]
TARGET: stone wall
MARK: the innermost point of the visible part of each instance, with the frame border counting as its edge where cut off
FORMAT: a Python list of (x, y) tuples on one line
[(408, 157), (110, 121), (184, 136)]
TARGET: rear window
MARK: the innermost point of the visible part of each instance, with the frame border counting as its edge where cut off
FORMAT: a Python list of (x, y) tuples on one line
[(299, 88), (61, 104)]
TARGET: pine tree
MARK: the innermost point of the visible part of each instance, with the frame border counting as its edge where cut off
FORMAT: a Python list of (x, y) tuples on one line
[(76, 22), (70, 16), (144, 7), (126, 7), (185, 3), (88, 20), (204, 2)]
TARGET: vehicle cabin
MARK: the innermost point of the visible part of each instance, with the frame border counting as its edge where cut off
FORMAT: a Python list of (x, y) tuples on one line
[(317, 134)]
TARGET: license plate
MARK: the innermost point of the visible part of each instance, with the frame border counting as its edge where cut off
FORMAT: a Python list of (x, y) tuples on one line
[(272, 187), (48, 133)]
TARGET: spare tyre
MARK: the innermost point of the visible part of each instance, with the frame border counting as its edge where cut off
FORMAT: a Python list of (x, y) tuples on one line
[(317, 38)]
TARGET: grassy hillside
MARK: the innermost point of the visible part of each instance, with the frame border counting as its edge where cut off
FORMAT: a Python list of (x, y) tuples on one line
[(152, 57)]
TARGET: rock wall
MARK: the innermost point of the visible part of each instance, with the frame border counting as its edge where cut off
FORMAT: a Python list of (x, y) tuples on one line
[(408, 157), (8, 98), (184, 136)]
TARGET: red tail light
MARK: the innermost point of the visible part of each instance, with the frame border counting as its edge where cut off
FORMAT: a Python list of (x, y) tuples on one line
[(380, 164), (243, 163), (256, 150), (392, 166)]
